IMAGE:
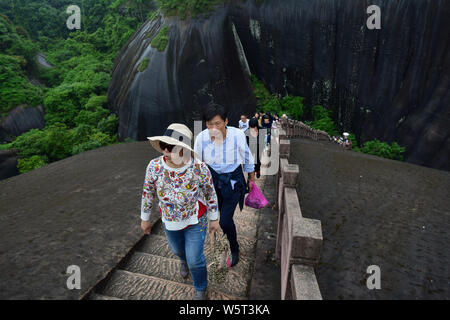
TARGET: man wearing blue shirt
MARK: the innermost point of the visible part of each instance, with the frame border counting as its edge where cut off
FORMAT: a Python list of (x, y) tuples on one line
[(225, 149)]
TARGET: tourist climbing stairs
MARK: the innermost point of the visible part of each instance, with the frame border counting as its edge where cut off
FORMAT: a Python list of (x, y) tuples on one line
[(151, 271)]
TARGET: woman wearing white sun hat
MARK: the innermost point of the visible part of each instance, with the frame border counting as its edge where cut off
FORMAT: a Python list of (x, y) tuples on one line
[(186, 196)]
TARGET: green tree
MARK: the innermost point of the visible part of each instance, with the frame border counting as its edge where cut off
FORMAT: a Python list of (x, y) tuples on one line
[(292, 106), (34, 162), (76, 117), (160, 40), (383, 149), (184, 8), (323, 121), (15, 89)]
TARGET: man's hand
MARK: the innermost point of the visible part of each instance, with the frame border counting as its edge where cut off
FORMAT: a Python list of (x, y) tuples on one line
[(251, 177), (146, 227), (214, 226)]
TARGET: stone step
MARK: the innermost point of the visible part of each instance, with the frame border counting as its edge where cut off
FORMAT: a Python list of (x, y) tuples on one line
[(245, 226), (96, 296), (158, 245), (235, 283), (133, 286)]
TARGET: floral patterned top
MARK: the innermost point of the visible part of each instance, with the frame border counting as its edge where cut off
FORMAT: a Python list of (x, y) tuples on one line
[(178, 191)]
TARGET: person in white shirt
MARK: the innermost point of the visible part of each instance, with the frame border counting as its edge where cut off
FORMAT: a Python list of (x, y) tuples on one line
[(243, 123), (225, 151)]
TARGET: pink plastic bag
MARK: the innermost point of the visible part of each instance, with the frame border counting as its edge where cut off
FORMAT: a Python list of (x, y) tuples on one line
[(255, 198)]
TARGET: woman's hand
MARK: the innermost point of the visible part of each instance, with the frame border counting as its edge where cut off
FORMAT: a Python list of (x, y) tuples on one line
[(214, 226), (146, 227)]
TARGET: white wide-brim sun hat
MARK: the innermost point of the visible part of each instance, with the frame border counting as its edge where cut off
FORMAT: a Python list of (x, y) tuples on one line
[(177, 134), (345, 134)]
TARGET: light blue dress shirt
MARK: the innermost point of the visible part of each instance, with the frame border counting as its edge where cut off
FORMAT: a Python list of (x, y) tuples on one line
[(226, 157)]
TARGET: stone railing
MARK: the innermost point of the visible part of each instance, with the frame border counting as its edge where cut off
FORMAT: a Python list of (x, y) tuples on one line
[(294, 128), (299, 239)]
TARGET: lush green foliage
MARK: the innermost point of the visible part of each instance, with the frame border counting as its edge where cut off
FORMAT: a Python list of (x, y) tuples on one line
[(290, 105), (184, 8), (17, 50), (323, 121), (143, 65), (383, 149), (74, 95), (57, 142), (34, 162), (160, 40), (47, 18), (293, 107), (15, 89)]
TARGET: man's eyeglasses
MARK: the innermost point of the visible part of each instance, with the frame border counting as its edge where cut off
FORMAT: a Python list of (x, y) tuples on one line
[(164, 146)]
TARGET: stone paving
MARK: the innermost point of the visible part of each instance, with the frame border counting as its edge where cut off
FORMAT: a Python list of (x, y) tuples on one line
[(376, 211), (85, 211), (151, 272)]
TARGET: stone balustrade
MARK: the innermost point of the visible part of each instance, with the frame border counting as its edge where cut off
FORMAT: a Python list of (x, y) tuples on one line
[(299, 239)]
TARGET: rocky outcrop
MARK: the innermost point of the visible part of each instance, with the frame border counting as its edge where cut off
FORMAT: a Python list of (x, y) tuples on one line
[(201, 63), (391, 84), (20, 120), (8, 164)]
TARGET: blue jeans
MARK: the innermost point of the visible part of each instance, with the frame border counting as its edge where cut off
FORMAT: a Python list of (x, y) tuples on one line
[(188, 244)]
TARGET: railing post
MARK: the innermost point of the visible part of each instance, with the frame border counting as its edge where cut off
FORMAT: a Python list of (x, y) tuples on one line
[(288, 179), (285, 148)]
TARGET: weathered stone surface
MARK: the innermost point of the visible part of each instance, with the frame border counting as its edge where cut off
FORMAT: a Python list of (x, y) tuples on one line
[(244, 227), (156, 266), (304, 283), (266, 283), (200, 64), (8, 164), (391, 84), (165, 268), (301, 240), (22, 119), (376, 211), (285, 146), (83, 210), (133, 286), (96, 296), (158, 245), (290, 175), (306, 240)]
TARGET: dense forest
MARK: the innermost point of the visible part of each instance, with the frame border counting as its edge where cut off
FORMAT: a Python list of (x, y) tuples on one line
[(72, 89)]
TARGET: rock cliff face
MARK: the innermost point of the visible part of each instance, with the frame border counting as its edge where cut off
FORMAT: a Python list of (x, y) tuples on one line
[(8, 164), (201, 63), (20, 120), (391, 84)]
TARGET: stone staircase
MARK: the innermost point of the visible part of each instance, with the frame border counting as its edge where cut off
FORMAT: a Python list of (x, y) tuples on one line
[(151, 271)]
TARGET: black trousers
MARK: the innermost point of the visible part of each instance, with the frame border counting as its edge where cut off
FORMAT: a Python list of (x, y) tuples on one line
[(227, 206)]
